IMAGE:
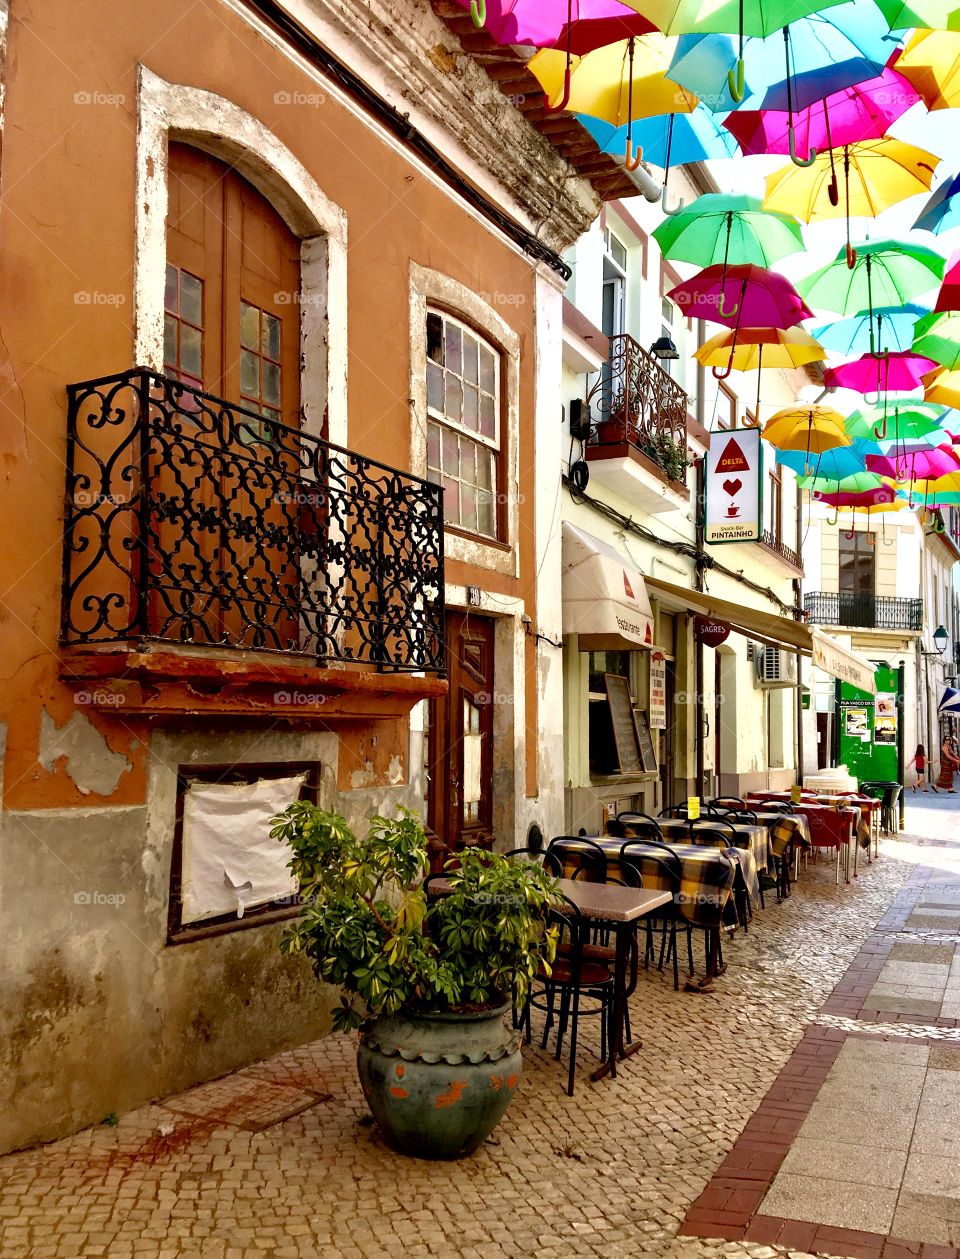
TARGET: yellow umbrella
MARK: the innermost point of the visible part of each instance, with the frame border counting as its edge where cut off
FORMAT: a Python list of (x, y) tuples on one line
[(748, 349), (876, 175), (814, 429), (931, 62), (619, 83), (942, 385)]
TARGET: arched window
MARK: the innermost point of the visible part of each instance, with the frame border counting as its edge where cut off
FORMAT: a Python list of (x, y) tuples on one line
[(463, 424)]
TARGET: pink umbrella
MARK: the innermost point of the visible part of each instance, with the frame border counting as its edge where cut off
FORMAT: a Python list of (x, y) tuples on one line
[(949, 296), (879, 373), (916, 463), (744, 295), (861, 112), (575, 26)]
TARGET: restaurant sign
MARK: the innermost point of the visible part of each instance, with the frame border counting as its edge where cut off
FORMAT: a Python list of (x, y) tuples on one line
[(711, 632), (658, 691), (734, 467)]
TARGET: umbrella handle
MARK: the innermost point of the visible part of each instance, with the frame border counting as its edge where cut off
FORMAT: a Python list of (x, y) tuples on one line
[(721, 373), (727, 314), (632, 160), (799, 161), (736, 82), (851, 256), (565, 97), (880, 430), (478, 12), (670, 209), (836, 516), (871, 402), (833, 190)]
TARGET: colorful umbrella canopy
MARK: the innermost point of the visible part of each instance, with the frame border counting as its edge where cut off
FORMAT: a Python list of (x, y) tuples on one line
[(728, 228), (667, 139), (745, 294), (937, 335), (586, 24), (882, 498), (885, 272), (860, 112), (941, 14), (749, 349), (916, 463), (949, 296), (812, 429), (825, 52), (857, 483), (942, 211), (879, 373), (949, 701), (617, 83), (942, 386), (931, 61), (832, 465), (903, 423), (892, 327)]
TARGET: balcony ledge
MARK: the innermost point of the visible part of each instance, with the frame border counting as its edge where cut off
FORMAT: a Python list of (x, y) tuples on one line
[(635, 476), (173, 684), (770, 551)]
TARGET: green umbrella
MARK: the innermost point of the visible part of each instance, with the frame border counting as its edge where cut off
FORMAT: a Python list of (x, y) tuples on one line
[(939, 15), (876, 273), (909, 420), (856, 483), (730, 229), (937, 336)]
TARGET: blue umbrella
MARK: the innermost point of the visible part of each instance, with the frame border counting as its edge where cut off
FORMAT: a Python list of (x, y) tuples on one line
[(851, 337), (942, 211), (667, 139), (949, 701), (834, 465), (825, 52)]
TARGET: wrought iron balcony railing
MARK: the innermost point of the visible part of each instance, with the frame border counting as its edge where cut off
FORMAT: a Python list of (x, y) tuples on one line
[(864, 611), (636, 402), (195, 521), (773, 541)]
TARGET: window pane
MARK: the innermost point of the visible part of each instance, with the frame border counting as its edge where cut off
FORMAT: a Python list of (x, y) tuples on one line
[(191, 298), (487, 373), (270, 336), (486, 516), (454, 359), (451, 453), (435, 387), (468, 506), (435, 338), (170, 342), (470, 416), (454, 407), (271, 384), (470, 348), (488, 424), (170, 291), (433, 447), (249, 373), (485, 467), (190, 351), (249, 326), (451, 499)]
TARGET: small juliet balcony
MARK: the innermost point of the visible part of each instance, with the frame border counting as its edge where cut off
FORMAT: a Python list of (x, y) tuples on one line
[(638, 439), (217, 561), (864, 611)]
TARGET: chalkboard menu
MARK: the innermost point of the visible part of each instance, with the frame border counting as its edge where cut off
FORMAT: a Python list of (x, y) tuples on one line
[(624, 727), (647, 754)]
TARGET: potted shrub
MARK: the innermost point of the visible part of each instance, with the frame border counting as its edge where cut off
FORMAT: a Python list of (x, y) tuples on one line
[(426, 981)]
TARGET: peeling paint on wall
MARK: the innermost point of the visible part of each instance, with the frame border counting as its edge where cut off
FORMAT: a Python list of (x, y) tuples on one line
[(84, 752)]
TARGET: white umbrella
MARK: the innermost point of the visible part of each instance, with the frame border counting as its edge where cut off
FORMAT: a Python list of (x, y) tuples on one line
[(949, 702)]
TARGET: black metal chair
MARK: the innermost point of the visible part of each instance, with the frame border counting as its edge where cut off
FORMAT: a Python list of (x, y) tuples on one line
[(537, 857), (728, 802), (571, 977), (659, 868), (640, 826), (580, 857), (675, 810)]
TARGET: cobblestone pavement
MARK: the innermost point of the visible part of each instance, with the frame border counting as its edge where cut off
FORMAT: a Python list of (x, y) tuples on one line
[(278, 1160)]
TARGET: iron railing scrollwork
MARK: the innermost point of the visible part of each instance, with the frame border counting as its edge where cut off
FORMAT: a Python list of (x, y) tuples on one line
[(192, 520), (864, 611), (774, 542), (637, 402)]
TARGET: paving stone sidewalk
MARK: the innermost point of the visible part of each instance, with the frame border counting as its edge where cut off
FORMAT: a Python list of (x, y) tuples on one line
[(278, 1160)]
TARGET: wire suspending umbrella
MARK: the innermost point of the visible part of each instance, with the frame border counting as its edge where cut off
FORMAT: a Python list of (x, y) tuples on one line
[(746, 294)]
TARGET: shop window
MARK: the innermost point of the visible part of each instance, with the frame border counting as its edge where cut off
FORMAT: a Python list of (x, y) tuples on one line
[(858, 551), (463, 423), (617, 723), (227, 873)]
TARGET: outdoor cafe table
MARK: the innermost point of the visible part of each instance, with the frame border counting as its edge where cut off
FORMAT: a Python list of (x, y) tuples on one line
[(620, 908), (746, 834), (788, 832)]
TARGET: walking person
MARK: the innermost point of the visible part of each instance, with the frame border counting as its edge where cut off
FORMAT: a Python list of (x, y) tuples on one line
[(919, 762), (949, 761)]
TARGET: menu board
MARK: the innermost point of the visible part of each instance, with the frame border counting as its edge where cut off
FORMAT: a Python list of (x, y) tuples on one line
[(625, 738), (647, 753)]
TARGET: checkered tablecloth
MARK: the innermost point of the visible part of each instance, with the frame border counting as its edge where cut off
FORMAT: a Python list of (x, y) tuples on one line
[(785, 829), (748, 835), (707, 878)]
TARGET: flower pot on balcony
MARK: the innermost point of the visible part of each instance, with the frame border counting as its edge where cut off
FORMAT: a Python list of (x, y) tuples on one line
[(610, 432), (438, 1084)]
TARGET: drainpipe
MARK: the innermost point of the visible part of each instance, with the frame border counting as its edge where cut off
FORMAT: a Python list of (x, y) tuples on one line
[(799, 693), (699, 564)]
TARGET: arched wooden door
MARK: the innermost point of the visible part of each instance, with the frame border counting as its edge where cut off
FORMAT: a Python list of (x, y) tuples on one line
[(229, 498)]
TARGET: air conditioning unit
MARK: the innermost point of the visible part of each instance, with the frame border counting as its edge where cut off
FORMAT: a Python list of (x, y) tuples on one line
[(775, 667)]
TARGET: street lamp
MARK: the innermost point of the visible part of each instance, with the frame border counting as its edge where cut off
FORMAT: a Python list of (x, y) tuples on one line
[(663, 348), (940, 639)]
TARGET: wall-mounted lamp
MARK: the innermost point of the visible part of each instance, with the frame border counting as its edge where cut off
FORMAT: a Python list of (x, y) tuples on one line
[(940, 640), (663, 348)]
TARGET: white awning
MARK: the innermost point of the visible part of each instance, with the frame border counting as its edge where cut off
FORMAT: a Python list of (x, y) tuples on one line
[(841, 662), (605, 598)]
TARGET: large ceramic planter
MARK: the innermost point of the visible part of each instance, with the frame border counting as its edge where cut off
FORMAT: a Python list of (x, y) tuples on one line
[(438, 1084)]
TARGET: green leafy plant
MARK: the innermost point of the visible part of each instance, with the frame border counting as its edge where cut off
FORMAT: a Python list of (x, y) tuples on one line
[(367, 926), (668, 454)]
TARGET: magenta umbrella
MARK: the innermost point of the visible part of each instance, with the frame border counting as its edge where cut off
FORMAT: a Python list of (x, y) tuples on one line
[(916, 463), (744, 295), (879, 373), (575, 26), (861, 112)]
